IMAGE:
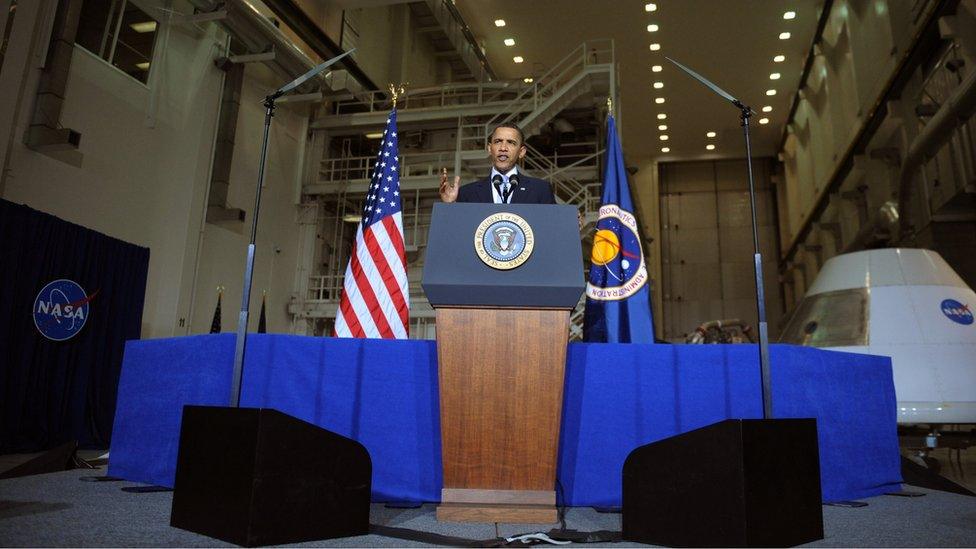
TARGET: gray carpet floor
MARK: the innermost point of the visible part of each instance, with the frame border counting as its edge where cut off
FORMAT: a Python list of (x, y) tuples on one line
[(59, 510)]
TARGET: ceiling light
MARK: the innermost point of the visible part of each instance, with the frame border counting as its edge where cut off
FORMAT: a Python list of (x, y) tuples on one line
[(774, 76), (652, 28), (784, 36), (770, 92), (767, 108), (655, 47), (779, 59), (518, 59), (143, 66), (499, 22), (374, 135), (664, 137), (145, 26), (528, 80), (659, 100), (662, 127), (764, 121), (662, 116), (657, 68), (650, 6), (665, 149), (710, 134), (789, 15), (509, 42), (710, 147), (658, 85)]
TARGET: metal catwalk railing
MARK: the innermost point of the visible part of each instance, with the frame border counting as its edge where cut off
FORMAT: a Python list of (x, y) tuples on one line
[(512, 97), (556, 80), (341, 172), (436, 97)]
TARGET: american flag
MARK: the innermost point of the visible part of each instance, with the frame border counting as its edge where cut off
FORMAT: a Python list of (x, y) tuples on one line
[(375, 301)]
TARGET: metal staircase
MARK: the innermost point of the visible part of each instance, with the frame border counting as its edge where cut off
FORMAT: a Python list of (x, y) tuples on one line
[(560, 86)]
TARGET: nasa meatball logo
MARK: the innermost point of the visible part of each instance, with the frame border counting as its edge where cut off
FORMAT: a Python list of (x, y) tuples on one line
[(617, 268), (957, 312), (61, 309)]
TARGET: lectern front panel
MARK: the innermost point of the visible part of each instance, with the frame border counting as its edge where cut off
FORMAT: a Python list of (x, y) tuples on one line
[(501, 375)]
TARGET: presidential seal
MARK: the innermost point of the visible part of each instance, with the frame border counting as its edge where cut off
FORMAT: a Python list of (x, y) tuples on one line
[(503, 241)]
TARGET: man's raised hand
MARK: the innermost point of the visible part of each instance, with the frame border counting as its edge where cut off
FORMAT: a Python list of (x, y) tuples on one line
[(449, 191)]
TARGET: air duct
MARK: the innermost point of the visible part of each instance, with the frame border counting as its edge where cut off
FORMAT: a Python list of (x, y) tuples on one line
[(45, 133), (265, 43), (954, 112)]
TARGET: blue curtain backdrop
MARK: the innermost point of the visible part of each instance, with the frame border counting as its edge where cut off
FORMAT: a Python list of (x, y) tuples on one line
[(56, 391)]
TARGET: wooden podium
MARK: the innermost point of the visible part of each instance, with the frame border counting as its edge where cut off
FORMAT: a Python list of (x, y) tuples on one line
[(501, 347)]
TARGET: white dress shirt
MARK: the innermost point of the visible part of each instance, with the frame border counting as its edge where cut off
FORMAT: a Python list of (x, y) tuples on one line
[(496, 197)]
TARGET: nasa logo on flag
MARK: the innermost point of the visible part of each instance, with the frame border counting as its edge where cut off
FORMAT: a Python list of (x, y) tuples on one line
[(504, 241), (61, 309), (617, 258), (956, 312)]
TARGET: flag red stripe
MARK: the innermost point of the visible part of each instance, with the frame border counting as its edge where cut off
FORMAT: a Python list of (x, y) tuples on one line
[(350, 318), (366, 290), (396, 237), (386, 273)]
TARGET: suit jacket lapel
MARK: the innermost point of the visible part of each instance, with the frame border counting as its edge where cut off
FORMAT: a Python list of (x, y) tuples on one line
[(484, 189), (522, 193)]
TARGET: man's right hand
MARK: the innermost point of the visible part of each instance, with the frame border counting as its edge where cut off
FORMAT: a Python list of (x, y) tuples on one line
[(449, 191)]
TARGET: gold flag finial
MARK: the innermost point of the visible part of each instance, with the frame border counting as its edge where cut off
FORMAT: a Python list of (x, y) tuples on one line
[(396, 92), (609, 105)]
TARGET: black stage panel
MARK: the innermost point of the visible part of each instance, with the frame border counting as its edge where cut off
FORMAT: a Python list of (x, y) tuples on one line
[(735, 483), (255, 476)]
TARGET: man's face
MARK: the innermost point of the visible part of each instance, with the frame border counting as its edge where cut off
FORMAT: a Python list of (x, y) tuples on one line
[(505, 149)]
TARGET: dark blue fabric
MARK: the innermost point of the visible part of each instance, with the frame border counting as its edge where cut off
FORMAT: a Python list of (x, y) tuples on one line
[(618, 397), (618, 296), (55, 391), (382, 393)]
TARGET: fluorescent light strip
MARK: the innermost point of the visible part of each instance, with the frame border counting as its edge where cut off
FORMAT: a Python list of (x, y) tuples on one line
[(144, 27)]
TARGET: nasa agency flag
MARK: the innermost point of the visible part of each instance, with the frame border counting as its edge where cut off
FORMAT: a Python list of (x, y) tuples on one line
[(618, 305)]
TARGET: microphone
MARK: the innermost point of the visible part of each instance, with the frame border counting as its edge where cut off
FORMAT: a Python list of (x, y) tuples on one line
[(497, 180), (513, 181)]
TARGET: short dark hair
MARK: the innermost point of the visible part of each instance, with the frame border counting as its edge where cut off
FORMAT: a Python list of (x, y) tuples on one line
[(508, 125)]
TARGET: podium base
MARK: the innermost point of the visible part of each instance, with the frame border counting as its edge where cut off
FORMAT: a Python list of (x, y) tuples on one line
[(511, 506), (515, 514)]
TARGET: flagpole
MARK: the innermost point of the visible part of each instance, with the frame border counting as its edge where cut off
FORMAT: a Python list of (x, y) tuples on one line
[(381, 225)]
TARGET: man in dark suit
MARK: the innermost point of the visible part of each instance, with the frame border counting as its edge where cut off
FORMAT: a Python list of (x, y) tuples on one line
[(505, 184)]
